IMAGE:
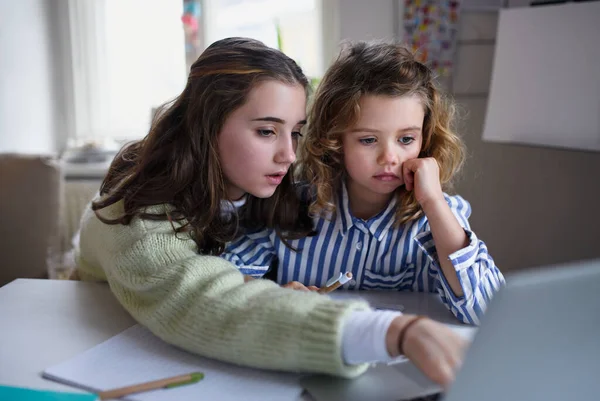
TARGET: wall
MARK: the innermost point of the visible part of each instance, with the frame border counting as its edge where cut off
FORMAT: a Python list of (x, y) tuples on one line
[(28, 78), (364, 20), (356, 20), (532, 205)]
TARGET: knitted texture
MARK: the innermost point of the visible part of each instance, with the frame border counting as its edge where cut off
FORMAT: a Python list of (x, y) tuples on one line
[(201, 303)]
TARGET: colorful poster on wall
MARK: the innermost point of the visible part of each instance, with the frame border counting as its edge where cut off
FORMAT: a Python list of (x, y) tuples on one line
[(430, 29)]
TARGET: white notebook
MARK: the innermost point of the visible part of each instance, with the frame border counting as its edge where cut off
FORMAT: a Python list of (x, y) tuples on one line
[(137, 356)]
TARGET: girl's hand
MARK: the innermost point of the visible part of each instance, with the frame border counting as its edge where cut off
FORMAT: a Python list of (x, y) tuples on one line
[(296, 285), (423, 176), (431, 346)]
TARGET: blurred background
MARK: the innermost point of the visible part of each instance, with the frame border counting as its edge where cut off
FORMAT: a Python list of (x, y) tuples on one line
[(78, 78)]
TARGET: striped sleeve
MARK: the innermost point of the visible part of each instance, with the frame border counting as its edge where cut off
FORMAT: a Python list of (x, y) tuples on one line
[(477, 273), (252, 253)]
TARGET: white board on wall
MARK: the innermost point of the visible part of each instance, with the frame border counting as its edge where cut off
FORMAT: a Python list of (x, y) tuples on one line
[(545, 87)]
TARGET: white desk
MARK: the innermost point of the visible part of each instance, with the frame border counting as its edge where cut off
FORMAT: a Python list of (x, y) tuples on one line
[(45, 322)]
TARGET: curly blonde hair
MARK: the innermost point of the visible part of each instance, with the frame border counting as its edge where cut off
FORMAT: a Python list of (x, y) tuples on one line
[(374, 68)]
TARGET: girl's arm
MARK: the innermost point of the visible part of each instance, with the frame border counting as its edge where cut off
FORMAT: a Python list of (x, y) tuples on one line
[(201, 303), (467, 274), (448, 236)]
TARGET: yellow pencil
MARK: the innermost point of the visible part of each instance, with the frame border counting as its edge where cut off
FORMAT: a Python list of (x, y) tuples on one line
[(169, 382)]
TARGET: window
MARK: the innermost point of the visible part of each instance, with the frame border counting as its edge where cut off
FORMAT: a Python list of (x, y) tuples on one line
[(128, 57), (293, 26)]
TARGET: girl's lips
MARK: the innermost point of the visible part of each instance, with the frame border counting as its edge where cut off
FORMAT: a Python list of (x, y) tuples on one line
[(275, 179), (386, 177)]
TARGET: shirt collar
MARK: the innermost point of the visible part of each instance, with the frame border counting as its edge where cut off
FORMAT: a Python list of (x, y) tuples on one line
[(378, 225), (229, 206)]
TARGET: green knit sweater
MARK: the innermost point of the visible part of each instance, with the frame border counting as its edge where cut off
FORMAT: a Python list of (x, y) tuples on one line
[(201, 303)]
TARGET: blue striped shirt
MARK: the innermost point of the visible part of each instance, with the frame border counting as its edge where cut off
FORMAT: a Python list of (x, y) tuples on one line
[(379, 255)]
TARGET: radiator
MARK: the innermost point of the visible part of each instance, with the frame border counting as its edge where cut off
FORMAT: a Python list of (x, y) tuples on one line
[(76, 196)]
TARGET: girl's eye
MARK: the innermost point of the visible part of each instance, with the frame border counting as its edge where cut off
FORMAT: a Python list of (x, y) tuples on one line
[(367, 141), (405, 140), (296, 134), (265, 132)]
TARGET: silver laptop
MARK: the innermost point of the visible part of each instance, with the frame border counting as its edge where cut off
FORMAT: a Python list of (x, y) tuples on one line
[(539, 340)]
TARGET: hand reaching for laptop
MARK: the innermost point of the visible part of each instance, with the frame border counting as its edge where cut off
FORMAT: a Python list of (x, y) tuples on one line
[(432, 346)]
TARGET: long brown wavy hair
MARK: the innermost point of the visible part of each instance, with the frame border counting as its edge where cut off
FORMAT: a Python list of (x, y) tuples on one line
[(177, 163), (374, 68)]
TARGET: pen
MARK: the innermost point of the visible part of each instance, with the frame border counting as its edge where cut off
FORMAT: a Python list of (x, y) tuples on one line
[(335, 282), (170, 382)]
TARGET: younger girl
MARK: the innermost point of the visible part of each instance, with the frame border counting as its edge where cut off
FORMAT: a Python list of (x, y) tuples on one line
[(166, 210), (379, 150)]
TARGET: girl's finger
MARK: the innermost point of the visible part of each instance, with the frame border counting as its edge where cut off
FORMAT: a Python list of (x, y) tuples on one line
[(454, 351), (296, 285), (408, 176)]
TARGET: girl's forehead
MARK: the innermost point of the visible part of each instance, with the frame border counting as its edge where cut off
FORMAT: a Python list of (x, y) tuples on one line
[(390, 108), (276, 99)]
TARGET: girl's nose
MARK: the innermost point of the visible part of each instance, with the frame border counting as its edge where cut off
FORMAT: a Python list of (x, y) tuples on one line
[(286, 153), (387, 156)]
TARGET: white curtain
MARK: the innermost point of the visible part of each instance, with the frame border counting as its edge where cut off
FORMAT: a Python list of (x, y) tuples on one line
[(127, 57)]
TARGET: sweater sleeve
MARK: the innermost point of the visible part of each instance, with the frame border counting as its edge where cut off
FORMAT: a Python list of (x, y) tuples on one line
[(201, 303)]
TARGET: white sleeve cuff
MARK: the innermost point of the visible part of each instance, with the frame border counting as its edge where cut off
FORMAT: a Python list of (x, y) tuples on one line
[(363, 336)]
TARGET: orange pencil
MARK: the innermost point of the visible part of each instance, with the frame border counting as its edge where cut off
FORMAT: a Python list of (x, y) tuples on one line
[(335, 283)]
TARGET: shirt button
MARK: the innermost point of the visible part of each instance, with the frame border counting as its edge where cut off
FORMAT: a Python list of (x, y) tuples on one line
[(352, 282), (359, 246)]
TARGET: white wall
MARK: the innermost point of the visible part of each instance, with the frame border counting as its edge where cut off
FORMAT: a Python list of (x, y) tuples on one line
[(356, 20), (27, 78), (365, 20)]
